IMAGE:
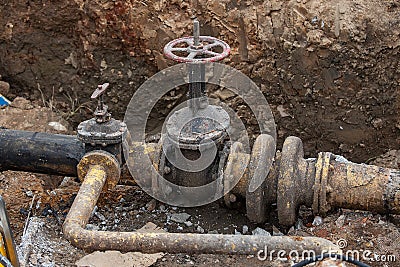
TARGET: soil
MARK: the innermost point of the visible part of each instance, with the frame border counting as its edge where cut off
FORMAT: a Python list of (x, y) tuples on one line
[(333, 66), (329, 69)]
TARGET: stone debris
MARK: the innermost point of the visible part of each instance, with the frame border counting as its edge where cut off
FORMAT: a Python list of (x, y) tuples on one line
[(340, 221), (39, 246), (276, 232), (21, 103), (200, 229), (58, 126), (317, 221), (188, 223), (4, 88), (180, 217), (260, 231), (151, 205)]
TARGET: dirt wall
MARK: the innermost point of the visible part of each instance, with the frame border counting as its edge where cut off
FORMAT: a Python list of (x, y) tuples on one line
[(329, 69)]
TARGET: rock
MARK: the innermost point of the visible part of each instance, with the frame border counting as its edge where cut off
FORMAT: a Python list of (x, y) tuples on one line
[(317, 221), (92, 227), (276, 232), (245, 229), (116, 258), (200, 229), (151, 205), (282, 111), (72, 60), (180, 217), (377, 123), (22, 103), (340, 221), (299, 224), (260, 231), (224, 94), (100, 216), (188, 223), (237, 232), (213, 232), (4, 88), (291, 231), (58, 126)]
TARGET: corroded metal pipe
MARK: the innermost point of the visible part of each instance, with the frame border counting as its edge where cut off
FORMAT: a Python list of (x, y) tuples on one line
[(40, 152), (330, 182), (325, 183), (345, 184), (96, 177)]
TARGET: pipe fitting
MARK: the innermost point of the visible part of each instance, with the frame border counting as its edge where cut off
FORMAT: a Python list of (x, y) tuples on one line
[(103, 161), (85, 201), (325, 183)]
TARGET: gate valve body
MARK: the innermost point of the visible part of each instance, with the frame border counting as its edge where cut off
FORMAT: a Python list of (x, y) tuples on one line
[(198, 128)]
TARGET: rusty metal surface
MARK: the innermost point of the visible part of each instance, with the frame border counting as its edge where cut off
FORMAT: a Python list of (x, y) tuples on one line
[(87, 197), (108, 162), (331, 181), (198, 49), (236, 167), (322, 166), (358, 186), (261, 159), (294, 187)]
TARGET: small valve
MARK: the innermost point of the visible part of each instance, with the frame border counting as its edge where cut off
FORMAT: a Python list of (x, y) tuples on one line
[(101, 113), (102, 132)]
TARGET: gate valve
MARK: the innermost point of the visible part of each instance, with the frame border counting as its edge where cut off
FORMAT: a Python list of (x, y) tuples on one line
[(194, 129), (102, 132)]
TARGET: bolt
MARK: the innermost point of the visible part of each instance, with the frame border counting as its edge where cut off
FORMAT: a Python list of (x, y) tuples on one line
[(167, 170)]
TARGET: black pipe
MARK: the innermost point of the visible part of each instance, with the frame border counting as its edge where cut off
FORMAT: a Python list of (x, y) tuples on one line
[(40, 152)]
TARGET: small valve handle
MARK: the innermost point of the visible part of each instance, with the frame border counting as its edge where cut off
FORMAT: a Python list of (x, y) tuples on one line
[(198, 49), (101, 113), (99, 90)]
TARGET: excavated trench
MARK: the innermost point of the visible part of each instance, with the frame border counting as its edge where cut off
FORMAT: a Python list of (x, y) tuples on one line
[(329, 69)]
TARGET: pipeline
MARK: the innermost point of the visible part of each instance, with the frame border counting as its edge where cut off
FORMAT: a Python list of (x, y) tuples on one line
[(40, 152), (325, 183), (94, 178)]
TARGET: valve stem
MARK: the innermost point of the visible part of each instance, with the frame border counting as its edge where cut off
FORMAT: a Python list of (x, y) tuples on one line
[(197, 90), (196, 32), (101, 113)]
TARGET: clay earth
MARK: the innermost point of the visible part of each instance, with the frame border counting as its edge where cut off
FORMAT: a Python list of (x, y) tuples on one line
[(330, 71)]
